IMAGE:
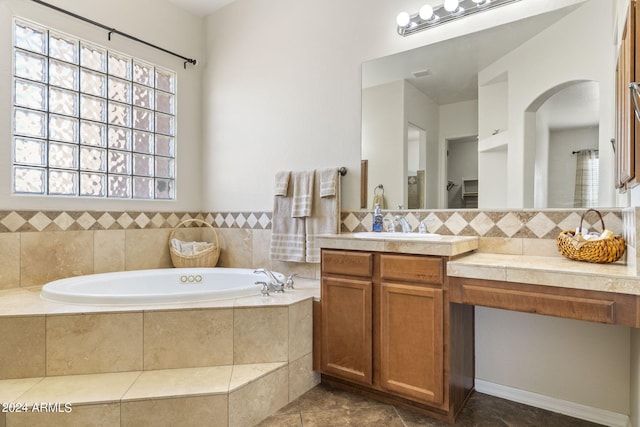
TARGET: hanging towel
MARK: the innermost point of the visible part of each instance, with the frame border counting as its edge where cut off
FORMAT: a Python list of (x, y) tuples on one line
[(287, 233), (282, 183), (379, 199), (328, 182), (302, 194), (324, 219)]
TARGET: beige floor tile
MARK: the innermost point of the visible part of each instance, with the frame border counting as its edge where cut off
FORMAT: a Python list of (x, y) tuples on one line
[(11, 390), (79, 389), (264, 397), (188, 338), (302, 377), (300, 329), (260, 335), (108, 251), (147, 249), (103, 415), (92, 343), (244, 374), (22, 352), (236, 248), (10, 260), (176, 382), (210, 411), (47, 256)]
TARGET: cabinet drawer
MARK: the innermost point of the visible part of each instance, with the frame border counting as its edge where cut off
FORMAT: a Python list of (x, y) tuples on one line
[(411, 268), (347, 262)]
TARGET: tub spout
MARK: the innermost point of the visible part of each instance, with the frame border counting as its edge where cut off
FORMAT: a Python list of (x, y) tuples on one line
[(274, 284)]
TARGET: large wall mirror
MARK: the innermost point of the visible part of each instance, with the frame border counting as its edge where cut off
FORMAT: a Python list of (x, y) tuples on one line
[(515, 116)]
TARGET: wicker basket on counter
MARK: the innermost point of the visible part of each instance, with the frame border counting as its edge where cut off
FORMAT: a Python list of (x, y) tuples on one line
[(206, 258), (603, 250)]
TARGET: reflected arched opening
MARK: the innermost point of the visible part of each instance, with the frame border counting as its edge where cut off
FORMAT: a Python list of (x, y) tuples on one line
[(561, 146)]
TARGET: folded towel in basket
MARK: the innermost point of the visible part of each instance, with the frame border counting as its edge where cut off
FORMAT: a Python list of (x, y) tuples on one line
[(190, 248)]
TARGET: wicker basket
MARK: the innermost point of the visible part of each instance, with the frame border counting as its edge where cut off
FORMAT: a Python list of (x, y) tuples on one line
[(604, 250), (206, 258)]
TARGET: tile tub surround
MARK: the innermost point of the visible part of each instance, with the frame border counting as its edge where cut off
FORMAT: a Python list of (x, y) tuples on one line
[(39, 246), (128, 365)]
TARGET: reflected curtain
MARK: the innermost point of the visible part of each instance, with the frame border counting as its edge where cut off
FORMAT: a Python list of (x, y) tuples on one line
[(587, 174)]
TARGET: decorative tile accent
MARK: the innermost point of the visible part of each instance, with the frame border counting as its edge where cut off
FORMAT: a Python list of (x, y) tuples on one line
[(541, 224)]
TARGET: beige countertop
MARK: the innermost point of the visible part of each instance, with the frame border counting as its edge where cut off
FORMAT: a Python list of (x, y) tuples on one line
[(547, 271), (27, 302), (440, 246)]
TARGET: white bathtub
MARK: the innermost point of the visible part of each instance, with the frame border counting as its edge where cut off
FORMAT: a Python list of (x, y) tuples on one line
[(159, 286)]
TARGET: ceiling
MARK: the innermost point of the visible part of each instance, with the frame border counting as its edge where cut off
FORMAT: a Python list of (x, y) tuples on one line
[(448, 71), (201, 7)]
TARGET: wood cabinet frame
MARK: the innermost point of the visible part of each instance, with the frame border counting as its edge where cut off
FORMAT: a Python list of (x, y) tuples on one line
[(408, 300), (627, 125)]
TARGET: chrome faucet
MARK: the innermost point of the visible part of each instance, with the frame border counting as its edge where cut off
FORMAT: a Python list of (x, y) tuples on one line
[(273, 284), (406, 227), (389, 226), (423, 228)]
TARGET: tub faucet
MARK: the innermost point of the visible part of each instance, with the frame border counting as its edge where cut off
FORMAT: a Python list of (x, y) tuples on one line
[(274, 284), (406, 227)]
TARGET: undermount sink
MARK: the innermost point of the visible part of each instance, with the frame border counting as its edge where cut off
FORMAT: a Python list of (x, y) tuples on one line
[(397, 236)]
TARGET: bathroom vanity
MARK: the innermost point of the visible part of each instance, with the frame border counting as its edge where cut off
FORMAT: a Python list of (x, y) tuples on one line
[(396, 316), (385, 326)]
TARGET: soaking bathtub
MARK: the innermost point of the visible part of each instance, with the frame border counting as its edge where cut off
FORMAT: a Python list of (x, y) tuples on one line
[(159, 286)]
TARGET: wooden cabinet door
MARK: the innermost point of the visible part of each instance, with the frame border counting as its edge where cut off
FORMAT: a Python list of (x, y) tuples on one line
[(346, 329), (411, 342), (625, 120)]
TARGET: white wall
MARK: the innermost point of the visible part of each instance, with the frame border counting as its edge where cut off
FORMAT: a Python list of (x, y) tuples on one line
[(383, 136), (570, 360), (562, 163), (282, 87), (167, 26), (571, 49), (493, 116), (420, 110)]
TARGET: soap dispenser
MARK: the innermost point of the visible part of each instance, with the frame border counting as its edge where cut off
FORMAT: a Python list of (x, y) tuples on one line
[(377, 218)]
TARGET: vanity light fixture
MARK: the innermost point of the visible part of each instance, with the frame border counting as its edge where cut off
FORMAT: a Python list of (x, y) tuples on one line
[(429, 16)]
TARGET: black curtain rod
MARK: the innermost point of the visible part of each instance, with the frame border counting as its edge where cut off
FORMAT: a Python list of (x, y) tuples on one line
[(585, 149), (114, 31)]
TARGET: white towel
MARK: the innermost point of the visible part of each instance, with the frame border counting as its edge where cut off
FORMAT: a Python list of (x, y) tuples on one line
[(328, 182), (324, 219), (302, 194), (282, 183), (287, 233)]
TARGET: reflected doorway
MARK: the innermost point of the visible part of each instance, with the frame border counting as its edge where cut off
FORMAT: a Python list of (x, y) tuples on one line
[(416, 167), (462, 173)]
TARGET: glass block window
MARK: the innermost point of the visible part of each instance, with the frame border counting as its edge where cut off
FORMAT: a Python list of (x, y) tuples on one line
[(89, 122)]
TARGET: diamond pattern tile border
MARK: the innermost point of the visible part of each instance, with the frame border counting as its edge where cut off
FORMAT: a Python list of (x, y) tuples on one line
[(545, 224), (533, 224)]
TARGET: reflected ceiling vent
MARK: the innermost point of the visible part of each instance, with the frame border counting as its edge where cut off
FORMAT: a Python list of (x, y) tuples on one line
[(422, 73)]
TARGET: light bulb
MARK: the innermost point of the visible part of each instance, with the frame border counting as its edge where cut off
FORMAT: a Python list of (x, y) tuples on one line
[(481, 3), (426, 12), (403, 19), (451, 5)]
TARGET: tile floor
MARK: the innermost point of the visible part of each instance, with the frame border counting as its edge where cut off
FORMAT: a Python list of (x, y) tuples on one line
[(323, 406)]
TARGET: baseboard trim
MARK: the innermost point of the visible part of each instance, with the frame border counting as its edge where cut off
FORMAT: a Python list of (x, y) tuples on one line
[(576, 410)]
